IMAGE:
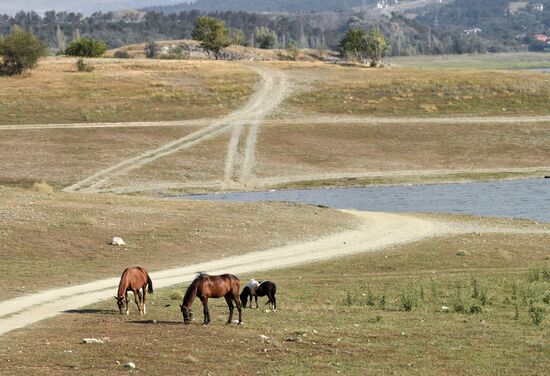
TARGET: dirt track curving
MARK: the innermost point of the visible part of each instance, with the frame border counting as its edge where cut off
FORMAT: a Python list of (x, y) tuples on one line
[(378, 231)]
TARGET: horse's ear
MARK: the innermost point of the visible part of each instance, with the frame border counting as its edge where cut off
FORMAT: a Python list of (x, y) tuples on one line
[(181, 305), (116, 297)]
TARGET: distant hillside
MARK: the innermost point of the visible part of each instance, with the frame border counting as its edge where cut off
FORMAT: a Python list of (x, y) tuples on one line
[(290, 6), (83, 6), (499, 24)]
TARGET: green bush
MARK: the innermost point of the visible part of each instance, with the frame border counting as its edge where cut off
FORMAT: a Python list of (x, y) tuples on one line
[(408, 298), (122, 55), (82, 66), (537, 314), (20, 51), (86, 47)]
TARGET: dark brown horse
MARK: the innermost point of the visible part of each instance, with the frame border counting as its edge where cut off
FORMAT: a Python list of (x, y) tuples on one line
[(265, 288), (133, 279), (212, 286)]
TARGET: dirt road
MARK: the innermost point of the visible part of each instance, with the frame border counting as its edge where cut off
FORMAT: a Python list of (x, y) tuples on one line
[(378, 231), (269, 94)]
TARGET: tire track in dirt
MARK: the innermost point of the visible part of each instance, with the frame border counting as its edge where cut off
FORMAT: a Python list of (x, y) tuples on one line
[(238, 168), (258, 107)]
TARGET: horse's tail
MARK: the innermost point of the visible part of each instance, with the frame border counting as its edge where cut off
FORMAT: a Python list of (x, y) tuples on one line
[(149, 285)]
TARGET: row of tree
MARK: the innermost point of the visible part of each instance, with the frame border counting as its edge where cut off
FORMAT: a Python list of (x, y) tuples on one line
[(315, 30)]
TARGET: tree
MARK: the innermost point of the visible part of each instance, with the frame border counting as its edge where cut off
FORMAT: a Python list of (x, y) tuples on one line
[(151, 49), (60, 39), (20, 51), (86, 47), (212, 34), (265, 38), (354, 44), (376, 47), (362, 45)]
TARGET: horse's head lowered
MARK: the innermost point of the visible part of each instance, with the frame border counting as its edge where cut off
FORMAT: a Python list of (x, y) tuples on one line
[(187, 314), (121, 303)]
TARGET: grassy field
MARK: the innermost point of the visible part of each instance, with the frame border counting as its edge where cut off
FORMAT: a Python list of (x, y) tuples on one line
[(466, 304), (419, 92), (519, 60), (52, 240), (202, 164), (123, 90), (64, 156), (304, 149)]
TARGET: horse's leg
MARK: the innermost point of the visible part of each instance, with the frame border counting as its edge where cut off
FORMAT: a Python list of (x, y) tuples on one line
[(274, 302), (205, 311), (144, 288), (237, 300), (256, 298), (137, 298), (229, 301), (126, 301)]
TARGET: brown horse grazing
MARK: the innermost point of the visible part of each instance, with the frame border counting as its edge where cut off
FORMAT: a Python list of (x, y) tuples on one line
[(212, 286), (133, 279), (265, 288)]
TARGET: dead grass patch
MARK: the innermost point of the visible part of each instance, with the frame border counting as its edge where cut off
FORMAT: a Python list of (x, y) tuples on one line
[(420, 92), (285, 150), (122, 91), (64, 156)]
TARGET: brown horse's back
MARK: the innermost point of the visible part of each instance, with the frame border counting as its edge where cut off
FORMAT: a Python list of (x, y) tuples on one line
[(218, 286), (134, 279)]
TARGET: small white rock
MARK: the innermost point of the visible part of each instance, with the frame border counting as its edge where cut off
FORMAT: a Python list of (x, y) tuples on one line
[(92, 340), (264, 337), (445, 308), (130, 365), (117, 241)]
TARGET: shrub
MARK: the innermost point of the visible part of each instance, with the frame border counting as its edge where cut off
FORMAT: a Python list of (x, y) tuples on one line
[(43, 187), (265, 38), (474, 308), (382, 301), (370, 298), (408, 298), (458, 302), (86, 47), (350, 299), (151, 49), (82, 66), (122, 55), (539, 273), (20, 51), (292, 51), (536, 313)]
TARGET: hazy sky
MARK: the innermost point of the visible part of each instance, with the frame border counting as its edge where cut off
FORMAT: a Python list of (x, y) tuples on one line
[(85, 6)]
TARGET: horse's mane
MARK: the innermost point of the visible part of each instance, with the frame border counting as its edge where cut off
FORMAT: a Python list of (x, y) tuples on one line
[(192, 289)]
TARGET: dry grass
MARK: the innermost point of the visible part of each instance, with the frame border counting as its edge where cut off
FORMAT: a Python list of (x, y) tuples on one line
[(331, 319), (197, 165), (519, 60), (352, 148), (59, 239), (122, 90), (64, 156), (420, 92)]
